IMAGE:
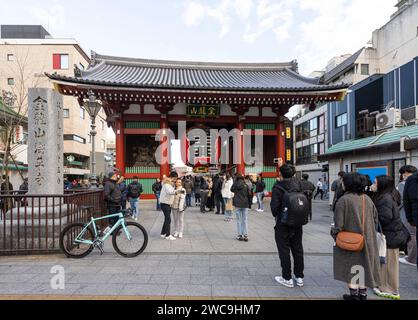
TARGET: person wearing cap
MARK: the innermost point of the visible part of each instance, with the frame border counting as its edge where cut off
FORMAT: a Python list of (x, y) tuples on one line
[(112, 196)]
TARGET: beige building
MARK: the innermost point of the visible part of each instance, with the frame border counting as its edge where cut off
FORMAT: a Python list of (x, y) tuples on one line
[(391, 46), (26, 54)]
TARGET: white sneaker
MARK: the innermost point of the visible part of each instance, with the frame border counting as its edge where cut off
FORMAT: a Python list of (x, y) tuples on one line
[(299, 282), (176, 234), (404, 261), (163, 236), (180, 236), (284, 282), (171, 238)]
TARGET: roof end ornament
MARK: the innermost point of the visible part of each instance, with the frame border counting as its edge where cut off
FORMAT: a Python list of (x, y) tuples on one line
[(77, 72), (93, 60)]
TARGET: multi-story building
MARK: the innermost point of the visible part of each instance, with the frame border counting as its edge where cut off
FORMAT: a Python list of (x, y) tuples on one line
[(374, 130), (26, 54), (383, 75)]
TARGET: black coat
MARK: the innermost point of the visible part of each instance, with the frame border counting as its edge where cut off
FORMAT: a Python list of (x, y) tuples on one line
[(260, 186), (204, 185), (217, 187), (308, 188), (277, 195), (390, 220), (156, 187), (410, 199), (241, 194), (112, 194)]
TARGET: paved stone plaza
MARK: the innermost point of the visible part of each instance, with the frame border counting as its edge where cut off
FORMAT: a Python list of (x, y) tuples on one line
[(207, 264)]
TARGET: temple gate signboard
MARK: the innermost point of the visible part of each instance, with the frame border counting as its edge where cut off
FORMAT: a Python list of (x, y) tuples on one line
[(203, 111), (45, 142)]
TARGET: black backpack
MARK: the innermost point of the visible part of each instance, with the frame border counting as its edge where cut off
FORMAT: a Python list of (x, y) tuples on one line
[(295, 208)]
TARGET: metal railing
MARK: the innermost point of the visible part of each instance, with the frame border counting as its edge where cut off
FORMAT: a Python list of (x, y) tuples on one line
[(31, 224)]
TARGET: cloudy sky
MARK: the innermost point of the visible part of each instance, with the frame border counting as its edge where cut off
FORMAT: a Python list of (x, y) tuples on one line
[(311, 31)]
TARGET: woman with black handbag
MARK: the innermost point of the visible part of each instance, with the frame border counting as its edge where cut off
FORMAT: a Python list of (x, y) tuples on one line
[(388, 200), (356, 255)]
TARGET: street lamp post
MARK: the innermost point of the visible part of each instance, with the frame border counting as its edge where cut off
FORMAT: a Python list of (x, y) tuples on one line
[(93, 108)]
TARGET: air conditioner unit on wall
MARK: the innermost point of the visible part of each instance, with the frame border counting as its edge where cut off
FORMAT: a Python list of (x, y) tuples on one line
[(388, 119), (410, 115)]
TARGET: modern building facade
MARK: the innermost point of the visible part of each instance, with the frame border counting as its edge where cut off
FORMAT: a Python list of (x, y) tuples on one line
[(383, 75), (26, 54), (310, 141)]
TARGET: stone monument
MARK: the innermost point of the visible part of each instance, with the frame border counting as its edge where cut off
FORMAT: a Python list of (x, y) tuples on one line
[(46, 138)]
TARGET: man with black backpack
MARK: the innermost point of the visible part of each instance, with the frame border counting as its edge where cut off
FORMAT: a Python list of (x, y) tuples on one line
[(290, 207), (134, 193)]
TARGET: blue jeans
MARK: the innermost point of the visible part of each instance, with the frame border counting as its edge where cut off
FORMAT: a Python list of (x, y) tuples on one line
[(260, 196), (189, 200), (134, 202), (228, 213), (157, 195), (242, 221)]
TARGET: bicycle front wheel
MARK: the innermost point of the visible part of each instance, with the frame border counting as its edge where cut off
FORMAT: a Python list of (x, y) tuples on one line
[(130, 248), (71, 248)]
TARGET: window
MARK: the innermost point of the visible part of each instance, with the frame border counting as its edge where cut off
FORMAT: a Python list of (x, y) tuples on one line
[(103, 144), (314, 149), (313, 124), (82, 113), (10, 57), (341, 120), (73, 137), (321, 124), (66, 113), (103, 124), (10, 81), (60, 61), (365, 69), (321, 148)]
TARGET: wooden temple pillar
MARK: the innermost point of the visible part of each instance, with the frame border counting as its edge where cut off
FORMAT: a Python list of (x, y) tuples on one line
[(120, 145), (281, 134), (166, 156), (240, 125)]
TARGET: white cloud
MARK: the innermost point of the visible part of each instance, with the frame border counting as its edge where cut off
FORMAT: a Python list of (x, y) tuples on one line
[(52, 18), (338, 27), (222, 12), (270, 16), (194, 13), (312, 31)]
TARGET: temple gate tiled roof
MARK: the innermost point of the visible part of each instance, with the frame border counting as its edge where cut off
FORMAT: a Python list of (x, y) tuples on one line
[(142, 73)]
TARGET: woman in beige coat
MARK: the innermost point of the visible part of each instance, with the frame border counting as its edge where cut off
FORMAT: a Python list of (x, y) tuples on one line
[(360, 270)]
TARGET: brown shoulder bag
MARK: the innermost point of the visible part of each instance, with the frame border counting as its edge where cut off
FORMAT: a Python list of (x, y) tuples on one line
[(352, 241)]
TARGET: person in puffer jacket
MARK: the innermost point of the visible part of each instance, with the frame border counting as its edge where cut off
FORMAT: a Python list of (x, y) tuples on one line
[(178, 208), (241, 203)]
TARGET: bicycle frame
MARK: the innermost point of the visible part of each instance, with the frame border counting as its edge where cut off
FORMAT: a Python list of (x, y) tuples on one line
[(93, 221)]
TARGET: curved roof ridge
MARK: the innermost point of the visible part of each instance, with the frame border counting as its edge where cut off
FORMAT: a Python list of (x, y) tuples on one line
[(98, 58)]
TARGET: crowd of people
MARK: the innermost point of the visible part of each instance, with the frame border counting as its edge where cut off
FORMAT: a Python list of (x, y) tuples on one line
[(373, 222), (174, 195), (378, 218)]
